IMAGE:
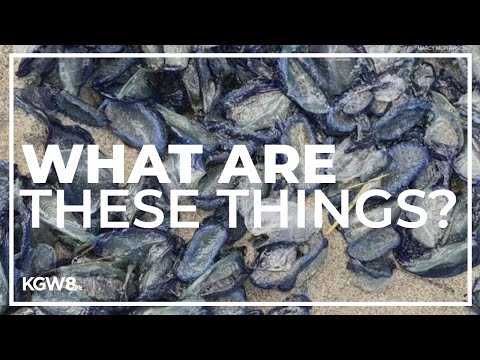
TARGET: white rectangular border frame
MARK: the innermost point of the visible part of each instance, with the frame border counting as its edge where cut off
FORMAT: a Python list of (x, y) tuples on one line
[(14, 56)]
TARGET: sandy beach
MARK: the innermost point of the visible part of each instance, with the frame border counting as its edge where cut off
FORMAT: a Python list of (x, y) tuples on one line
[(332, 281)]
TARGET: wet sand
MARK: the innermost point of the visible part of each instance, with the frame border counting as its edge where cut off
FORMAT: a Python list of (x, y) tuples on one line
[(331, 282)]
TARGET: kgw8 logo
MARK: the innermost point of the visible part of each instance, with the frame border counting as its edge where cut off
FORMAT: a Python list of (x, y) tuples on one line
[(51, 284)]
